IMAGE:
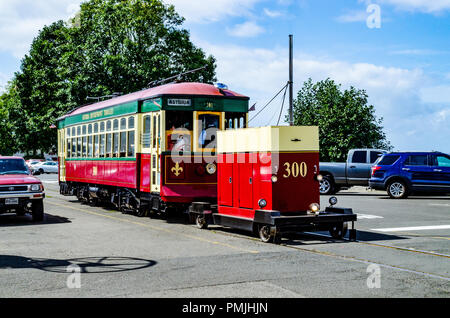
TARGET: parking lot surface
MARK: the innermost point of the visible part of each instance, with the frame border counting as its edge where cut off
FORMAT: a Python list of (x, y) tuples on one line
[(402, 250)]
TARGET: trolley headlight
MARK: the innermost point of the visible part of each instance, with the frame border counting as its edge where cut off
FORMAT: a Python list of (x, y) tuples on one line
[(211, 168), (35, 187), (274, 178), (262, 203), (314, 208), (333, 201), (319, 177)]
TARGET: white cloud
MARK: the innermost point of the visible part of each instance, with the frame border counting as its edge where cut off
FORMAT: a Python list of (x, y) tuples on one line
[(436, 94), (21, 20), (201, 11), (272, 14), (427, 6), (246, 30)]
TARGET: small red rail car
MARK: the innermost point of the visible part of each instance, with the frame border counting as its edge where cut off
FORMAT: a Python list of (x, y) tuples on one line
[(268, 183)]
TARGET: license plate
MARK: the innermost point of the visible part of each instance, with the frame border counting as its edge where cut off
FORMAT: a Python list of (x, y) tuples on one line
[(13, 201)]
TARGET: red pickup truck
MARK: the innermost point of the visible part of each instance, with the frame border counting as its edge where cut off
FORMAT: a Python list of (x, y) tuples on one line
[(20, 192)]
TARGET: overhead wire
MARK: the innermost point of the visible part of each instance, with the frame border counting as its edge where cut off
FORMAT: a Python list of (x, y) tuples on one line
[(284, 87)]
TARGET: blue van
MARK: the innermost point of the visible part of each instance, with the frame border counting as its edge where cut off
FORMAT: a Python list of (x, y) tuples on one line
[(403, 173)]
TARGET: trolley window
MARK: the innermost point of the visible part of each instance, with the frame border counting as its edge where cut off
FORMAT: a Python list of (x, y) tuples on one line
[(146, 140), (96, 150), (84, 147), (208, 126), (131, 148), (123, 123), (116, 144), (102, 146), (131, 123), (90, 147), (123, 144), (108, 145)]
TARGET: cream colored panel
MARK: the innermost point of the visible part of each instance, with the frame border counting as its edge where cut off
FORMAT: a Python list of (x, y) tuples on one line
[(269, 139)]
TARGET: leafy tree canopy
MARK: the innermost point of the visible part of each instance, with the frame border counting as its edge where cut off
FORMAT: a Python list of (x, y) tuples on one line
[(345, 119), (110, 46)]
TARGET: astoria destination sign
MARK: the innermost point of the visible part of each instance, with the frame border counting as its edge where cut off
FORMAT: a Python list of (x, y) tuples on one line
[(179, 102)]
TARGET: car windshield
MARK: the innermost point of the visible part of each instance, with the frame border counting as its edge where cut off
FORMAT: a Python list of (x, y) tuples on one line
[(13, 166)]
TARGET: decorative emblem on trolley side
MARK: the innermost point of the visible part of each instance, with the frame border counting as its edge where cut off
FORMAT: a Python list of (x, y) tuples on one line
[(177, 170)]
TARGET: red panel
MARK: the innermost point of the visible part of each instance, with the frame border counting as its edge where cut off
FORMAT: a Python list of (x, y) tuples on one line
[(114, 172), (188, 193), (225, 182), (145, 172), (246, 181), (299, 183), (237, 212), (262, 188), (127, 171)]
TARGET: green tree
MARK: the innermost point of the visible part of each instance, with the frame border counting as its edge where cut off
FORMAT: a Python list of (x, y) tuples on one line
[(345, 119), (111, 46), (121, 46), (6, 136), (43, 88)]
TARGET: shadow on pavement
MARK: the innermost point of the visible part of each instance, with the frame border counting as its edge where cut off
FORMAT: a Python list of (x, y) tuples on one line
[(87, 265), (7, 220), (372, 236)]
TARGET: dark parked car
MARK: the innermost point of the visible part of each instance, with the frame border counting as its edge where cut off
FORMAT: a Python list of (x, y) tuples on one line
[(403, 173)]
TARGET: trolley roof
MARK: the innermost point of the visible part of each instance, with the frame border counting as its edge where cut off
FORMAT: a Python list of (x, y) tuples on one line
[(182, 95)]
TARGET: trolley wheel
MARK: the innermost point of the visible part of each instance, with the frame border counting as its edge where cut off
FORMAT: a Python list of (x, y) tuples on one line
[(269, 234), (200, 222), (338, 231), (141, 212)]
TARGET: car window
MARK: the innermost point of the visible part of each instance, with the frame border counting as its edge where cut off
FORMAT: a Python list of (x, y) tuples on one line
[(443, 161), (359, 157), (374, 155), (417, 160), (388, 160)]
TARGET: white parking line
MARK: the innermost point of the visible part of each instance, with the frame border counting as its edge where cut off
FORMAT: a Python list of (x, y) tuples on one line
[(368, 216), (439, 204), (414, 228)]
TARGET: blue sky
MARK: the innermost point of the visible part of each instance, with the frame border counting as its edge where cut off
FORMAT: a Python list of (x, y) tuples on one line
[(404, 65)]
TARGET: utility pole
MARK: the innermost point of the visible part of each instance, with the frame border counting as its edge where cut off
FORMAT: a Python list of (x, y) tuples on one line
[(291, 81)]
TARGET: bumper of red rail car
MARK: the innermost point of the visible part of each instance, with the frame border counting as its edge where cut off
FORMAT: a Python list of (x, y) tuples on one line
[(325, 218)]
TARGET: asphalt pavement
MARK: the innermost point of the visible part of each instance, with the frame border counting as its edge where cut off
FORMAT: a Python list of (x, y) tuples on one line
[(403, 250)]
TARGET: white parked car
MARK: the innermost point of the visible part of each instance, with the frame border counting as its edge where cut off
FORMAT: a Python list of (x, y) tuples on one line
[(45, 167)]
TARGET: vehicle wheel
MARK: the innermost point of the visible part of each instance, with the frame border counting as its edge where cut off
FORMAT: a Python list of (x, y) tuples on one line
[(41, 171), (339, 230), (20, 212), (397, 190), (327, 186), (200, 222), (141, 212), (269, 234), (37, 210)]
